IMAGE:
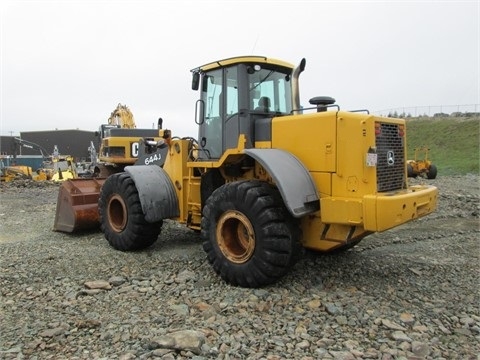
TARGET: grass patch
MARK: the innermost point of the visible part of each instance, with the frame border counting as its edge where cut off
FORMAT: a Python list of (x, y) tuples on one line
[(453, 143)]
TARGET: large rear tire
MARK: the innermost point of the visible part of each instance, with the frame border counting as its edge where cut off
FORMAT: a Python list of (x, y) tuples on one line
[(250, 238), (121, 217)]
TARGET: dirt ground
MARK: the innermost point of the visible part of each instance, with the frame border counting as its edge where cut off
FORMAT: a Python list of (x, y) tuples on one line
[(410, 292)]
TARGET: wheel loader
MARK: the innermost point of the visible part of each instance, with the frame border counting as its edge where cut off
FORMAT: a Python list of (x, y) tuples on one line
[(266, 176), (421, 167)]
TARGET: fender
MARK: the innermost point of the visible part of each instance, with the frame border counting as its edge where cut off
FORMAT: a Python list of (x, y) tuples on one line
[(157, 194), (292, 179)]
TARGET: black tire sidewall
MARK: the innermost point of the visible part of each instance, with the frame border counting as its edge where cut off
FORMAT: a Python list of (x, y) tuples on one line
[(410, 172), (138, 233), (432, 172), (276, 245)]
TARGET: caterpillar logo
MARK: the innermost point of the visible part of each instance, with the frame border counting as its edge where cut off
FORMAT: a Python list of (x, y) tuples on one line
[(134, 149)]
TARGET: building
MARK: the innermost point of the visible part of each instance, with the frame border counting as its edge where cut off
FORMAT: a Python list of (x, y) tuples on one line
[(69, 142), (7, 145)]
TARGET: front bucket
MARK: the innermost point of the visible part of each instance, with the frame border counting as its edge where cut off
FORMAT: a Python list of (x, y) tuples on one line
[(77, 205)]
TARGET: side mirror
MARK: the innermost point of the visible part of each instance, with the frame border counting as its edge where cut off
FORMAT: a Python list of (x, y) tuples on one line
[(195, 80)]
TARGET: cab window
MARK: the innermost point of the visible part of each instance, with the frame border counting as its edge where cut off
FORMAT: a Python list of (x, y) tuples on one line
[(211, 130), (270, 91)]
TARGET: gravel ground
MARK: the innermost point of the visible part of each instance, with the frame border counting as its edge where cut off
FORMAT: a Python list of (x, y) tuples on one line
[(408, 293)]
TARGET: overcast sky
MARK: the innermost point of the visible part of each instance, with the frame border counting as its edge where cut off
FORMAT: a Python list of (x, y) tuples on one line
[(67, 64)]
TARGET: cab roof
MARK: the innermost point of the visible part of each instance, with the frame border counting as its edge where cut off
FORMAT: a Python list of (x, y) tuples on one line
[(242, 59)]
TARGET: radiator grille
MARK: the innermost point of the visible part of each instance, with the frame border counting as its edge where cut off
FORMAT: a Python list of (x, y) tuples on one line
[(390, 158)]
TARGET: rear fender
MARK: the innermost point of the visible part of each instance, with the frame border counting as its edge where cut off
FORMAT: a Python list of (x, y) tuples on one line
[(292, 179), (156, 191)]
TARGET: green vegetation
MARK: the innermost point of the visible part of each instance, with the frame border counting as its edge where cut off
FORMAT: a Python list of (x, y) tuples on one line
[(453, 143)]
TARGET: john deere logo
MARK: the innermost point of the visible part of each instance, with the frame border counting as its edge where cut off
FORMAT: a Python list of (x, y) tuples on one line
[(390, 158)]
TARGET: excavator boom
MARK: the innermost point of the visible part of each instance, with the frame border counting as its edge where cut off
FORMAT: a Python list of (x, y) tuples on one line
[(123, 117)]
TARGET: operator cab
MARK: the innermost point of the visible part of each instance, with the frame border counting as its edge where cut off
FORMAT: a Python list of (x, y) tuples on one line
[(235, 94)]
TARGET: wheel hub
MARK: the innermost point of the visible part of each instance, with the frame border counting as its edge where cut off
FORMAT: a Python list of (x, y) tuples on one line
[(117, 213), (235, 236)]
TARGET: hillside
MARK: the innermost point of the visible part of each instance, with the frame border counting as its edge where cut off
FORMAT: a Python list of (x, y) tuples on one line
[(453, 142)]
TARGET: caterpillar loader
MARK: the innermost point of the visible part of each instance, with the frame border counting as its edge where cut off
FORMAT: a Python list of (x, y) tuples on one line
[(266, 177)]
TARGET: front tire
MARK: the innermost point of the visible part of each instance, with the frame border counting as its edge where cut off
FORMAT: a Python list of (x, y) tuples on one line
[(250, 238), (121, 217)]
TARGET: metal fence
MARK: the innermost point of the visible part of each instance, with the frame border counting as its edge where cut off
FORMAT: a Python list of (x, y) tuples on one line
[(432, 110)]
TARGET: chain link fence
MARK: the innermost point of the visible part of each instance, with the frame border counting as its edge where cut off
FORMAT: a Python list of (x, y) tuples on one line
[(439, 110)]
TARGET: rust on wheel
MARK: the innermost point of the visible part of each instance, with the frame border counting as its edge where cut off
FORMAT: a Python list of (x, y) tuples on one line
[(235, 236), (117, 213)]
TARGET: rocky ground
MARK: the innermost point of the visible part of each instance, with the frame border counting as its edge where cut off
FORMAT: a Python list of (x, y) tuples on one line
[(408, 293)]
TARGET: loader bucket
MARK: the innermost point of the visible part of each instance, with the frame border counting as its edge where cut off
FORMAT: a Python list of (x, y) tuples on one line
[(77, 205)]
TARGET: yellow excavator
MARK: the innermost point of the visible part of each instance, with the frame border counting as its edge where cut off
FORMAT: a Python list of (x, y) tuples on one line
[(265, 177), (121, 142), (122, 117)]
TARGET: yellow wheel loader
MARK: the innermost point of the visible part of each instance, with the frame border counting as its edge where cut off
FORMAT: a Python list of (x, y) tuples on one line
[(421, 167), (266, 176)]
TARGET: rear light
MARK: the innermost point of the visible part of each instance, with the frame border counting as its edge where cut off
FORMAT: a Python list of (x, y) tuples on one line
[(378, 129), (401, 130)]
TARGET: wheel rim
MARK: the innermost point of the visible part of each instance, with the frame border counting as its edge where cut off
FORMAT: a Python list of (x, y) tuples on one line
[(235, 237), (117, 213)]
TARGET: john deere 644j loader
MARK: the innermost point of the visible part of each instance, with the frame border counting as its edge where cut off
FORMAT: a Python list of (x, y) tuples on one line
[(266, 176)]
